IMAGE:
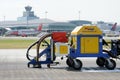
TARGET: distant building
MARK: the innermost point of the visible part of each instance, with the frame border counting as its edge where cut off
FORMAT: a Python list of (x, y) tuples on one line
[(64, 26), (27, 15), (31, 23), (104, 25), (58, 26), (80, 22)]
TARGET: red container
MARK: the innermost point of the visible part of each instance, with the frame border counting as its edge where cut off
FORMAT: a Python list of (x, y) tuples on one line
[(59, 37)]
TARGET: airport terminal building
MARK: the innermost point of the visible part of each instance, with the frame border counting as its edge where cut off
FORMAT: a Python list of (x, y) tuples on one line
[(29, 19), (64, 26)]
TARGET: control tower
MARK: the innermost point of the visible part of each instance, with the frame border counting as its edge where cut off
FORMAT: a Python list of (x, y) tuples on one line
[(27, 15)]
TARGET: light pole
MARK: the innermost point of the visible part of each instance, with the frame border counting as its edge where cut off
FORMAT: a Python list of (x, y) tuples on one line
[(46, 14), (79, 15), (4, 19)]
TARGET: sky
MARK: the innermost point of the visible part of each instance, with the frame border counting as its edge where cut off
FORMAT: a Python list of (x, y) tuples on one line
[(63, 10)]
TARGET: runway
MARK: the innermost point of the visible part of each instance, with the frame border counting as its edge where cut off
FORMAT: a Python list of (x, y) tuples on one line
[(13, 66)]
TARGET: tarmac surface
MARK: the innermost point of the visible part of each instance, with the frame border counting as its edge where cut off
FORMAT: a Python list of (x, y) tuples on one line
[(13, 66)]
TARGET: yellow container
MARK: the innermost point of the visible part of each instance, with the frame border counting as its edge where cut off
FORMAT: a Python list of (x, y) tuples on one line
[(88, 35), (89, 45), (86, 30)]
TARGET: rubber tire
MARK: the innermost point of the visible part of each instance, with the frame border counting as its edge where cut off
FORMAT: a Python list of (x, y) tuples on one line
[(100, 61), (28, 65), (79, 66), (110, 67), (48, 65), (69, 62), (37, 66)]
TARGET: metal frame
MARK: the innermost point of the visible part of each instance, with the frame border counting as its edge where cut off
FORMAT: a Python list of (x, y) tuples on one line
[(48, 57)]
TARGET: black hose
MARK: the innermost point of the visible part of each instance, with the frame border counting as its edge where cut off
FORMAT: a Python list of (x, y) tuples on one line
[(39, 42), (27, 54), (110, 54), (104, 42), (38, 45)]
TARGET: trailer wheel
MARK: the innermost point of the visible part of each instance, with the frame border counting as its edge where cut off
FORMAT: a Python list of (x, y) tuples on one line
[(37, 66), (48, 65), (28, 65), (110, 65), (78, 66), (69, 62), (100, 61)]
